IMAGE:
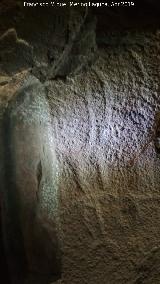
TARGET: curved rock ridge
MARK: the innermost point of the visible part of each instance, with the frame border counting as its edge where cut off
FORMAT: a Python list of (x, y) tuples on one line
[(29, 186)]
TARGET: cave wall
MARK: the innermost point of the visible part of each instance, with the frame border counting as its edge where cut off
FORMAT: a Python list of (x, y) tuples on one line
[(90, 195)]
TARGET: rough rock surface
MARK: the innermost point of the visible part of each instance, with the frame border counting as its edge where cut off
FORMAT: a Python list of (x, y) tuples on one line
[(82, 158), (105, 132)]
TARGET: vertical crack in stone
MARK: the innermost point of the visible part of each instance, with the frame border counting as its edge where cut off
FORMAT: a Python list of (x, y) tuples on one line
[(157, 137), (39, 177)]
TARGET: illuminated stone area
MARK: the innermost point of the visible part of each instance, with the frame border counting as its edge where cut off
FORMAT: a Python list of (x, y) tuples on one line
[(80, 146)]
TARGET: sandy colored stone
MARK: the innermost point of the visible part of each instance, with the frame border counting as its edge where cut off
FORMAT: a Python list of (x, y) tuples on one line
[(82, 166)]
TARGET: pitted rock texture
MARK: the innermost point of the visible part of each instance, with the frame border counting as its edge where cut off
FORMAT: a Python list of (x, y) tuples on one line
[(83, 155), (105, 126)]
